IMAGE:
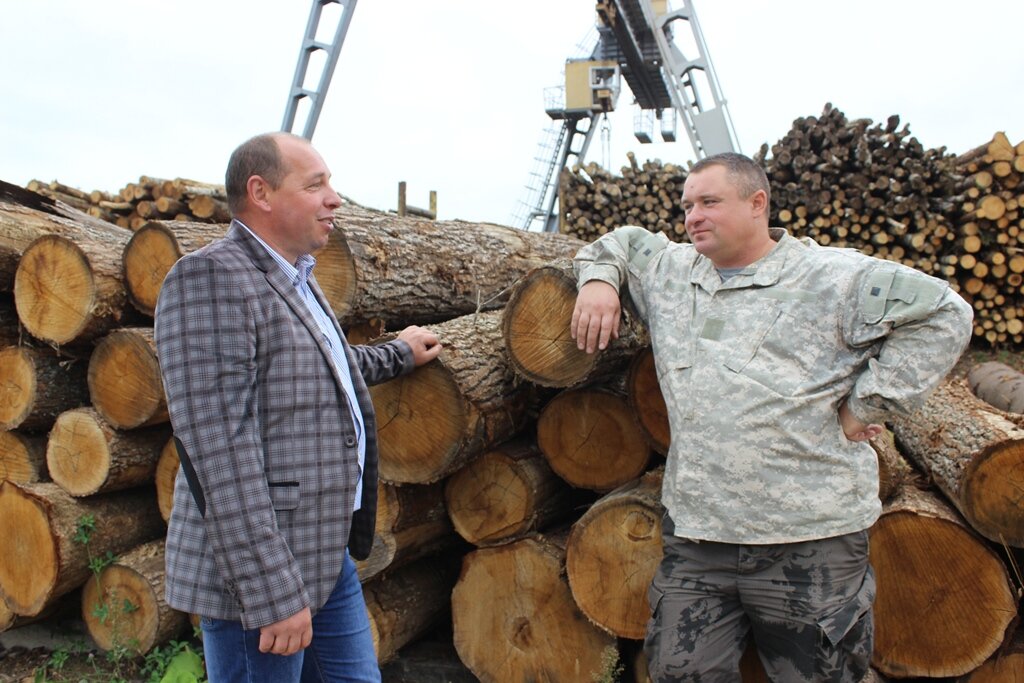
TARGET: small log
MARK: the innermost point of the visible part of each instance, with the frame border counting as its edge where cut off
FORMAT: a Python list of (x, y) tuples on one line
[(411, 523), (405, 604), (166, 474), (130, 593), (648, 403), (36, 386), (86, 455), (591, 439), (71, 290), (998, 385), (506, 493), (434, 420), (974, 453), (536, 328), (39, 523), (153, 249), (209, 207), (125, 385), (1006, 665), (920, 549), (514, 619), (23, 457), (613, 553)]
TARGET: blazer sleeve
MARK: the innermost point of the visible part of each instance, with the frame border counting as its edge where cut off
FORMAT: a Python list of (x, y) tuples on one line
[(380, 362), (206, 334)]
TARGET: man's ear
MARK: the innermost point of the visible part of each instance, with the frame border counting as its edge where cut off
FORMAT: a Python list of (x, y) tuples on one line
[(258, 191), (759, 203)]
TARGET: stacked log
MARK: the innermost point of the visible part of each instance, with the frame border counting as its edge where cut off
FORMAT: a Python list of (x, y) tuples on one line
[(149, 199)]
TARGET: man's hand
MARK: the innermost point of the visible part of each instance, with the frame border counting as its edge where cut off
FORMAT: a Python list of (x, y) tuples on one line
[(288, 636), (854, 429), (424, 343), (595, 320)]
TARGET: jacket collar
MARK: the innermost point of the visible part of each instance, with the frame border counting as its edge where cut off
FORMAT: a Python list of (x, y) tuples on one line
[(764, 272)]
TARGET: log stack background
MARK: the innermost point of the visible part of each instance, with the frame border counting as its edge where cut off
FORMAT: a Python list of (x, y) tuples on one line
[(532, 466)]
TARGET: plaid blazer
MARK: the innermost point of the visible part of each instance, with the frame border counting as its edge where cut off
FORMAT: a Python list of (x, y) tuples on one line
[(256, 401)]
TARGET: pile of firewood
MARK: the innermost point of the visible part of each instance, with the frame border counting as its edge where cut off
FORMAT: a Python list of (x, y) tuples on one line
[(149, 199), (871, 187)]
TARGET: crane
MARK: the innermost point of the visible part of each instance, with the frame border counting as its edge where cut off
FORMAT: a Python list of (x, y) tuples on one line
[(311, 46), (636, 43)]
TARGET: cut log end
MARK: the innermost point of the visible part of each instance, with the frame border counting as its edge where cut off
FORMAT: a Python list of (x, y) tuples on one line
[(17, 386), (127, 596), (148, 257), (644, 394), (166, 474), (488, 499), (920, 589), (54, 290), (29, 570), (22, 457), (540, 346), (991, 498), (124, 379), (420, 419), (77, 453), (336, 274)]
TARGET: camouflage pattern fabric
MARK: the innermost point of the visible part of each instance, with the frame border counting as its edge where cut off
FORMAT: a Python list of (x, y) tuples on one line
[(754, 370)]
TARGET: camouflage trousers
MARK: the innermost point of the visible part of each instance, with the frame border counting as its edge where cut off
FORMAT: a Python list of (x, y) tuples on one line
[(807, 607)]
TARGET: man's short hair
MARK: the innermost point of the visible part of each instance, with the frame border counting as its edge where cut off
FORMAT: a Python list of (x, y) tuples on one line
[(259, 155), (746, 175)]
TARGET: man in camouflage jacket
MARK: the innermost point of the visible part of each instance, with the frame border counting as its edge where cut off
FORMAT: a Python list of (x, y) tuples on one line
[(778, 360)]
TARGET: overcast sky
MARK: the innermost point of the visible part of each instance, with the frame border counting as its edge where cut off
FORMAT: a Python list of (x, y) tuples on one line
[(448, 94)]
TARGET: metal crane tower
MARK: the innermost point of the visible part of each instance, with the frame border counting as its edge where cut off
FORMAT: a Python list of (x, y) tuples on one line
[(311, 45), (637, 42)]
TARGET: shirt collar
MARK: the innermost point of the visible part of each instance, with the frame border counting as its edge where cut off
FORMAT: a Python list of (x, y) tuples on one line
[(298, 273)]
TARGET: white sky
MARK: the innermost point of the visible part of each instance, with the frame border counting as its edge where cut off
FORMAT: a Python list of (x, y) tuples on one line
[(448, 94)]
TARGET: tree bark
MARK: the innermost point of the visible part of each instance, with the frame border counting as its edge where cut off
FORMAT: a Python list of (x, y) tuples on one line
[(436, 419), (612, 554), (974, 453), (38, 522), (998, 385), (412, 271), (86, 455), (411, 524), (405, 604), (36, 386), (130, 592), (591, 439), (124, 379), (920, 550), (153, 249), (70, 290), (536, 328), (514, 618), (22, 457), (893, 470), (506, 493)]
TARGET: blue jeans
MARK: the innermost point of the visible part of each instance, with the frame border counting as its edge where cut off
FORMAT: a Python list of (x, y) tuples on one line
[(342, 647)]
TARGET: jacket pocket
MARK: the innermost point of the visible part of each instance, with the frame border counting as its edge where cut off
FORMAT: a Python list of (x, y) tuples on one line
[(284, 495), (748, 343)]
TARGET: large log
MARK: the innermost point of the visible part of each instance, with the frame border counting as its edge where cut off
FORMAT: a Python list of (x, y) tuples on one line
[(124, 605), (514, 619), (536, 328), (39, 524), (974, 453), (411, 524), (613, 553), (999, 385), (86, 455), (591, 439), (1005, 666), (403, 605), (893, 470), (506, 493), (944, 597), (153, 249), (23, 457), (125, 385), (411, 271), (36, 386), (643, 392), (71, 289), (434, 420)]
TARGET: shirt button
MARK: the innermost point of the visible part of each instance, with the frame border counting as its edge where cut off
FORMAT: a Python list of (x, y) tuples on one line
[(350, 441)]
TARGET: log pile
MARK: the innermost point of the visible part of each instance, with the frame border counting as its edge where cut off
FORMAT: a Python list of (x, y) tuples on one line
[(149, 199)]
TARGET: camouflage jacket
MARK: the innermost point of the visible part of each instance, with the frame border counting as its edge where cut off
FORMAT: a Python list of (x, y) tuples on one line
[(754, 370)]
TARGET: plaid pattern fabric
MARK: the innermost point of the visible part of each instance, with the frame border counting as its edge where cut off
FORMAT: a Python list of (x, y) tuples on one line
[(257, 403)]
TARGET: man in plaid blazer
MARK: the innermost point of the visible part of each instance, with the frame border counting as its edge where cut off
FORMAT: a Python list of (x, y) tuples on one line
[(276, 432)]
